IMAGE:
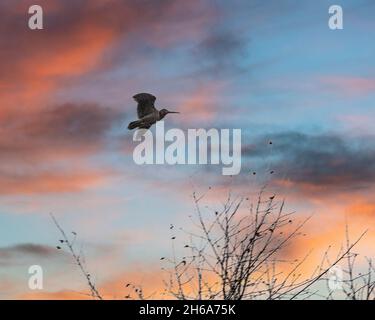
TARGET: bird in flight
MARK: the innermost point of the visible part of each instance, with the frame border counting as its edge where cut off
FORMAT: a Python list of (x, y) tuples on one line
[(147, 113)]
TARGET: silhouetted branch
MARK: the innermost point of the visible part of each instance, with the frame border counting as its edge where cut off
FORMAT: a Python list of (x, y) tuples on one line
[(77, 257)]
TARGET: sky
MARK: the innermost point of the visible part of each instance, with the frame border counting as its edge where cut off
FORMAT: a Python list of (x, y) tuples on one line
[(270, 68)]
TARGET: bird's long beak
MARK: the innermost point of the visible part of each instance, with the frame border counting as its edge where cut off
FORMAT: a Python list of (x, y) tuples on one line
[(173, 112)]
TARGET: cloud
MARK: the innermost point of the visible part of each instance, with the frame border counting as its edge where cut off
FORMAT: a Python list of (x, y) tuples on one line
[(83, 37), (325, 161), (49, 150), (28, 249), (70, 45), (201, 105), (362, 208), (23, 252), (43, 181), (59, 127), (349, 85), (221, 53), (43, 138), (55, 295)]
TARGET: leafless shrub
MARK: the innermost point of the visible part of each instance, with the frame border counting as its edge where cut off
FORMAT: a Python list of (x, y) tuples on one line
[(234, 255)]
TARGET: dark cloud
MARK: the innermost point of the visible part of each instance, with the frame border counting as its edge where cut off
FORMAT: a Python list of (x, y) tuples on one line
[(72, 122), (25, 251), (326, 160), (221, 52), (63, 129), (49, 150), (30, 249), (222, 45)]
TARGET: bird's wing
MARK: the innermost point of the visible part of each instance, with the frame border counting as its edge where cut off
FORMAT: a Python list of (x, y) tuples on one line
[(145, 104)]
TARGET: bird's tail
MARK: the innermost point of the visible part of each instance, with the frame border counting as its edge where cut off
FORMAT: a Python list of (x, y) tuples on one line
[(134, 124)]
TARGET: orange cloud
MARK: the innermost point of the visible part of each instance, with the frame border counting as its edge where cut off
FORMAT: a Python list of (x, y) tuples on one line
[(49, 182), (81, 37), (327, 230), (49, 151), (362, 208), (78, 39), (58, 295), (200, 103)]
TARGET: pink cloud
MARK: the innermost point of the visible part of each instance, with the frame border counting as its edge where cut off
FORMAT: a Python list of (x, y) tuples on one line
[(349, 85)]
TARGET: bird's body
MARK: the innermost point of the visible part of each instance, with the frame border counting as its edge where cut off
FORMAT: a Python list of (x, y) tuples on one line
[(147, 113)]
